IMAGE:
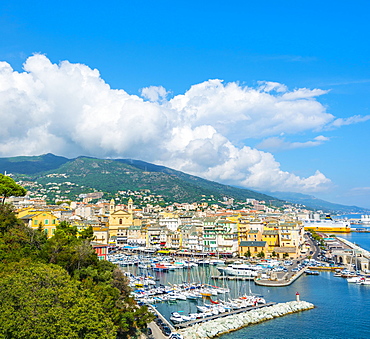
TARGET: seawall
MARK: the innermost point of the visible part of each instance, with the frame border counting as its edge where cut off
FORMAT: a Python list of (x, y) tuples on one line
[(365, 253), (217, 327)]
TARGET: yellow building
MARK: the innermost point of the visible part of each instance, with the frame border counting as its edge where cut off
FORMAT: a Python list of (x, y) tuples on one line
[(119, 221), (272, 239), (252, 248), (45, 219)]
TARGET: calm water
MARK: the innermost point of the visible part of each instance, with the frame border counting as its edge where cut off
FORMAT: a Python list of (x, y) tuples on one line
[(342, 309)]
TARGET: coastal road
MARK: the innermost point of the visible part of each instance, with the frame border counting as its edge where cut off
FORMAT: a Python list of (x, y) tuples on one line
[(156, 331)]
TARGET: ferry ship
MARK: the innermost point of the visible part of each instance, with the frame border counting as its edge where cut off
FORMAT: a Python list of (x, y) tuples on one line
[(327, 225), (365, 219)]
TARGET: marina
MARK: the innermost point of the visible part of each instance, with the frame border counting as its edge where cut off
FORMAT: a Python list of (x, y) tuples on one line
[(321, 286)]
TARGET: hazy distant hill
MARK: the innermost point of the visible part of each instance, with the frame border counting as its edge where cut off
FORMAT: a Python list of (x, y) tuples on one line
[(123, 174), (317, 204)]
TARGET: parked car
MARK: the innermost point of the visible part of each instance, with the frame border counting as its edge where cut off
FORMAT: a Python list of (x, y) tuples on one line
[(176, 336)]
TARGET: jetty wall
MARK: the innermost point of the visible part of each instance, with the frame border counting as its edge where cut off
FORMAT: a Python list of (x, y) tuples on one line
[(365, 253), (217, 327)]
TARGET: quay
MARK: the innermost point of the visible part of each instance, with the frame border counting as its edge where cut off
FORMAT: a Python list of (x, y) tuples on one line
[(225, 314), (353, 246), (285, 281), (230, 277)]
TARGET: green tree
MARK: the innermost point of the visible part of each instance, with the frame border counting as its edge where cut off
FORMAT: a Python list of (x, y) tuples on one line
[(261, 254), (285, 255), (87, 233), (248, 254), (9, 188), (273, 254), (42, 301), (17, 240), (67, 250)]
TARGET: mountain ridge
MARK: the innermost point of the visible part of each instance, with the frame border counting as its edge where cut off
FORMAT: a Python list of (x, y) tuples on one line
[(112, 175)]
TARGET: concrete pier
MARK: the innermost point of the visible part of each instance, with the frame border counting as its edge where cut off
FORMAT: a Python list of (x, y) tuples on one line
[(217, 327), (222, 315)]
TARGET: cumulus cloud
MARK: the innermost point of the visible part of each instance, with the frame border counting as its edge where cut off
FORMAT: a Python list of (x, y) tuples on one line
[(279, 144), (154, 93), (68, 109)]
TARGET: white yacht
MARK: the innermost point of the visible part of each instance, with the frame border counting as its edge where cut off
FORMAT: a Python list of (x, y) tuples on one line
[(241, 270)]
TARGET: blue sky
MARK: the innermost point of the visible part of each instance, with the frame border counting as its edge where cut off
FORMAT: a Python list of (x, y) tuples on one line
[(291, 112)]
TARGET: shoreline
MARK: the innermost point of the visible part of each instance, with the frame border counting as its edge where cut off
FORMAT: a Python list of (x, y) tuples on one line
[(217, 327)]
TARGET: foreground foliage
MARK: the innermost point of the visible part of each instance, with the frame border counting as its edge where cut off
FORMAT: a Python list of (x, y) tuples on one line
[(57, 287)]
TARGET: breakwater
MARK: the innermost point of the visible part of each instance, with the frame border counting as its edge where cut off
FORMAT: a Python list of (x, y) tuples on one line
[(364, 252), (217, 327)]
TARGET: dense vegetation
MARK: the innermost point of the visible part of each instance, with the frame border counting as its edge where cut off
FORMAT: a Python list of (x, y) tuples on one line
[(57, 287)]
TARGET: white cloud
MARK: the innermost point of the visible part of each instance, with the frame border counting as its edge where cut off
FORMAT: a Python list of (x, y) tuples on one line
[(154, 93), (69, 110), (349, 121), (268, 86), (279, 144)]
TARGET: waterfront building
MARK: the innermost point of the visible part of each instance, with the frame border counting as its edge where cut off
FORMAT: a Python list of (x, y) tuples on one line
[(136, 235), (252, 248), (153, 236), (271, 237), (284, 238), (171, 221), (101, 250), (220, 237)]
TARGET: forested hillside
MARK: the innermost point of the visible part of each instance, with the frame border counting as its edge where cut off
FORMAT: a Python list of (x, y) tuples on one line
[(57, 287)]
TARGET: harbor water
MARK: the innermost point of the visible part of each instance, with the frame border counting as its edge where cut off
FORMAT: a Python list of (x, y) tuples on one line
[(341, 309)]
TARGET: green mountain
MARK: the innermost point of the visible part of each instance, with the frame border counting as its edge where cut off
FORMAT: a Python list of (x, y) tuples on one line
[(317, 204), (106, 175), (110, 176), (32, 164)]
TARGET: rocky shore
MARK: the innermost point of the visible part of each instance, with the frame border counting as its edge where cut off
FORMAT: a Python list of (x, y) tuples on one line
[(216, 327)]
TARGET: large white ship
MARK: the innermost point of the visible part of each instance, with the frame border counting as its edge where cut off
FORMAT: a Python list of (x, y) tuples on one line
[(365, 219), (327, 225)]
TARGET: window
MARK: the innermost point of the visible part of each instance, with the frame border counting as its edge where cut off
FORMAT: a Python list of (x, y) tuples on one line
[(53, 221), (46, 221), (35, 222), (46, 231), (120, 221)]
